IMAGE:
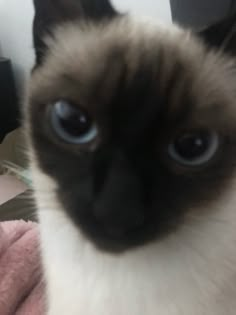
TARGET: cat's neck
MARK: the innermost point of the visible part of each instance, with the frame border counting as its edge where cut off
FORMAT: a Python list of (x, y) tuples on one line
[(191, 272)]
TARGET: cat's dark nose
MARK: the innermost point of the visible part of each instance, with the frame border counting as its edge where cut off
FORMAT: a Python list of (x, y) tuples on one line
[(119, 207)]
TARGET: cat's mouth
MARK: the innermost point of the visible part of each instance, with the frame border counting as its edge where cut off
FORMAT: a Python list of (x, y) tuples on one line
[(119, 237)]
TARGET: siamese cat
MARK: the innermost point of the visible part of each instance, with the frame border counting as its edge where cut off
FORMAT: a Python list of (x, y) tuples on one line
[(131, 127)]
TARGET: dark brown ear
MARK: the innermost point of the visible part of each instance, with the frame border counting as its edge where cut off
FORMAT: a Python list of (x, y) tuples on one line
[(49, 13), (222, 35)]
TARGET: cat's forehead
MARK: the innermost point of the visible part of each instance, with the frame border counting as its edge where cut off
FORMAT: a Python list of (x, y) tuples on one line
[(86, 63)]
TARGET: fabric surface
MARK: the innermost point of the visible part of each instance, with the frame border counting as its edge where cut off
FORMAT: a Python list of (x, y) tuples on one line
[(21, 285)]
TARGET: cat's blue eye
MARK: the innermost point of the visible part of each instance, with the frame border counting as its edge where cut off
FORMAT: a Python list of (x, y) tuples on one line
[(72, 124), (194, 148)]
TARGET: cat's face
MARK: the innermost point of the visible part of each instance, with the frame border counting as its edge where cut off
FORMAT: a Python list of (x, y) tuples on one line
[(135, 123)]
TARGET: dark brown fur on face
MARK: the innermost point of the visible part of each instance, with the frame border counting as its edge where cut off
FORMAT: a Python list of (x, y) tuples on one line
[(142, 85)]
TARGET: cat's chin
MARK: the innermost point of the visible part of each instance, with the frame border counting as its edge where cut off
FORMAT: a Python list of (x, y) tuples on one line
[(118, 242), (190, 272)]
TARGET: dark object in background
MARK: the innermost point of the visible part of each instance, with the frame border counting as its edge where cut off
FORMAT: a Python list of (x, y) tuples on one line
[(200, 13), (9, 110)]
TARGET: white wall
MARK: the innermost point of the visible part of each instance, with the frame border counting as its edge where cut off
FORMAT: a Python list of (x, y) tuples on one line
[(154, 8), (15, 35), (16, 23)]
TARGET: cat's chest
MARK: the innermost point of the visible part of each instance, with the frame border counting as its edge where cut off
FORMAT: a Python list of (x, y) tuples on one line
[(96, 294), (168, 279)]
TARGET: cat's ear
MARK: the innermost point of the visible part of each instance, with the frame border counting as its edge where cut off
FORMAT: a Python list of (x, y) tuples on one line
[(221, 35), (50, 13)]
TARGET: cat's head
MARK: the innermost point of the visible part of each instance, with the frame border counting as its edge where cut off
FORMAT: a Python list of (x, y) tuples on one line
[(134, 121)]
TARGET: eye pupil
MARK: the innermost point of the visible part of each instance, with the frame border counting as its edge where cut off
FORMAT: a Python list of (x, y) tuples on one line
[(71, 123), (72, 119), (194, 148), (190, 146)]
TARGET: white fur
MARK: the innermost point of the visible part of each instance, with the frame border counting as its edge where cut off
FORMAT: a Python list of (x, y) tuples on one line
[(191, 272)]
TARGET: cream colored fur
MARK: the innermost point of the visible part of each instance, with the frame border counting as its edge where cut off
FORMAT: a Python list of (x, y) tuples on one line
[(191, 272)]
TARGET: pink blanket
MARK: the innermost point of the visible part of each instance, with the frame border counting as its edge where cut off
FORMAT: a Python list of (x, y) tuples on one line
[(21, 285)]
